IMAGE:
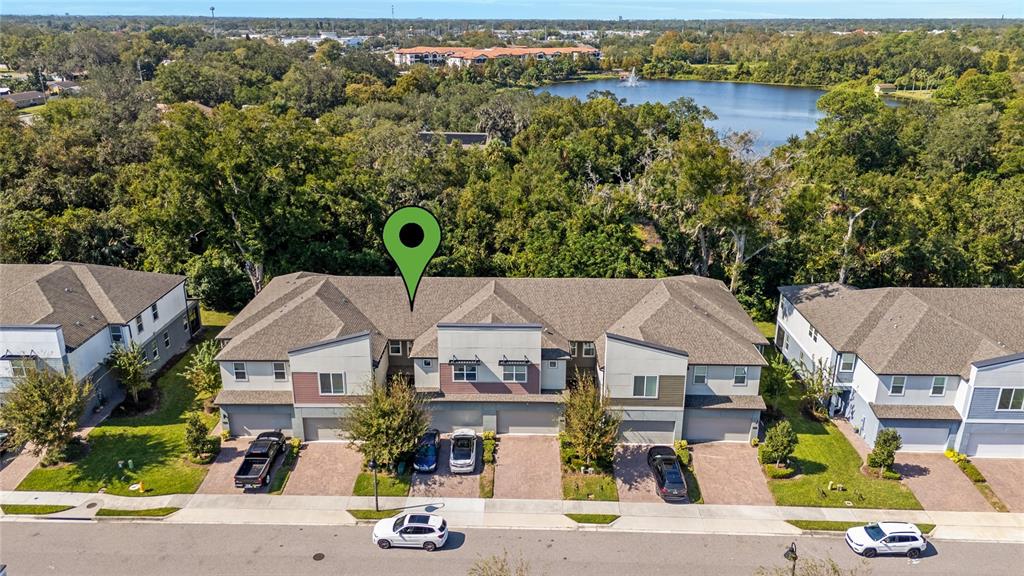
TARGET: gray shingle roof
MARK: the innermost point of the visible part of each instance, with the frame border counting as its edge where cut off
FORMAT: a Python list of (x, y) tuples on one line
[(82, 298), (915, 330), (698, 315), (914, 412), (716, 402)]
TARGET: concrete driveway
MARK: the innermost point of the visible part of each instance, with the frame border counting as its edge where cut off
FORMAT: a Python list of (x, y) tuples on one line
[(1006, 478), (728, 473), (528, 467), (325, 469), (443, 482), (938, 483), (633, 477)]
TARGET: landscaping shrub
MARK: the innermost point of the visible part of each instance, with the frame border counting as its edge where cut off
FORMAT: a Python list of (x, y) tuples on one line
[(292, 451), (887, 443), (490, 444), (212, 445), (956, 457), (682, 449), (890, 474), (776, 473), (971, 471), (195, 433), (779, 444), (754, 442)]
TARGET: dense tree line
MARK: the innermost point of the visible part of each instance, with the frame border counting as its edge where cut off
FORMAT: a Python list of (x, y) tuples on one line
[(304, 152)]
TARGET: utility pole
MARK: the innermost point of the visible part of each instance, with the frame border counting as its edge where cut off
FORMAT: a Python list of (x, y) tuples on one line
[(214, 21)]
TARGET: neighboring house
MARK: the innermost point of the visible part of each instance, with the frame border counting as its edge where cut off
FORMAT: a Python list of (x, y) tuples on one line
[(69, 316), (884, 88), (942, 366), (25, 99), (678, 355), (63, 87), (463, 56)]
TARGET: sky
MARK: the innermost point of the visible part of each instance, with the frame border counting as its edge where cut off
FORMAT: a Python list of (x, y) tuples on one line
[(537, 9)]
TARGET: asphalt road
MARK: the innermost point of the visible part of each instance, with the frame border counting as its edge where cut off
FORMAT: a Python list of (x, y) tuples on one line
[(112, 549)]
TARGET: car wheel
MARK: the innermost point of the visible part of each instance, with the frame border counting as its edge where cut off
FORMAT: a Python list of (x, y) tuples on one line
[(429, 546), (870, 552), (913, 553), (384, 544)]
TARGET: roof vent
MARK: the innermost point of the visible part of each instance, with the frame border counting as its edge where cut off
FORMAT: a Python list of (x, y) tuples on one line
[(68, 290), (78, 323), (93, 316)]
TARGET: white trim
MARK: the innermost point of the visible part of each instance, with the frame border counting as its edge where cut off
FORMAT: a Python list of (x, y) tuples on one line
[(283, 371), (944, 382), (155, 312), (344, 383), (736, 374), (245, 371), (657, 386), (903, 387), (515, 373), (391, 350), (1012, 394), (853, 362), (466, 369), (702, 371), (592, 348), (167, 339), (993, 421), (139, 324)]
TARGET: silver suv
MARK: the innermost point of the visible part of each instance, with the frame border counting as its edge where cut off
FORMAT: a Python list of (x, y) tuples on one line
[(887, 538)]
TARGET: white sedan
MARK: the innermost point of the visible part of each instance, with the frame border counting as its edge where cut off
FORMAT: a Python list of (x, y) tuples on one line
[(427, 531), (887, 538)]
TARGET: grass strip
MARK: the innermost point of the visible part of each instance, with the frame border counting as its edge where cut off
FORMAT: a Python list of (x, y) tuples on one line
[(593, 518), (37, 509), (372, 514), (145, 512)]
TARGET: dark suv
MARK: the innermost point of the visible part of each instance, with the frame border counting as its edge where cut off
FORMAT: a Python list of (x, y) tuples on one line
[(667, 473)]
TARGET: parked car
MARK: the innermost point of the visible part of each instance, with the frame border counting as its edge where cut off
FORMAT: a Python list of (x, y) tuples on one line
[(668, 474), (463, 455), (254, 471), (427, 531), (6, 441), (426, 453), (887, 538)]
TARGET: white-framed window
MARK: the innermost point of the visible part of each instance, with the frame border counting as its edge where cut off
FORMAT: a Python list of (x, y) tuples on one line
[(394, 347), (116, 334), (1011, 399), (514, 373), (332, 384), (428, 363), (589, 350), (847, 361), (573, 349), (280, 373), (156, 313), (156, 351), (464, 373), (552, 364), (167, 340), (700, 374), (739, 376), (785, 341), (939, 386), (645, 386), (138, 324), (898, 385), (19, 368), (241, 375)]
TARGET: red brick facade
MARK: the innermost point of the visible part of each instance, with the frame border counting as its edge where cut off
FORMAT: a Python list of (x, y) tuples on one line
[(531, 386), (306, 389)]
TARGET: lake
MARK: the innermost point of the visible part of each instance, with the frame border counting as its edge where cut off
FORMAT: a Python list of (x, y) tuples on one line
[(773, 113)]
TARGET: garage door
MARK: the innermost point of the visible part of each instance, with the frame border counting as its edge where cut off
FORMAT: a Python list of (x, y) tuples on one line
[(252, 422), (451, 420), (922, 439), (323, 429), (647, 431), (527, 422), (989, 445), (716, 426)]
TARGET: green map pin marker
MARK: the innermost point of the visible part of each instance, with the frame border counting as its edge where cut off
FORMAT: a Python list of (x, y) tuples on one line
[(412, 237)]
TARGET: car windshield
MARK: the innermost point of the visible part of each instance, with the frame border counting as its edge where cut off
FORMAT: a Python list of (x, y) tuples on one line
[(398, 524), (462, 448), (426, 451), (874, 532)]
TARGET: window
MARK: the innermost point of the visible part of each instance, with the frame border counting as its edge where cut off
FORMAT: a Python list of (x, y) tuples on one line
[(846, 361), (138, 324), (167, 340), (552, 364), (19, 368), (589, 351), (898, 385), (116, 334), (739, 376), (812, 333), (156, 313), (1011, 399), (785, 341), (332, 384), (464, 373), (427, 363), (645, 386), (240, 374), (156, 352), (395, 347), (700, 374), (938, 386), (514, 373), (572, 349), (279, 371), (185, 324)]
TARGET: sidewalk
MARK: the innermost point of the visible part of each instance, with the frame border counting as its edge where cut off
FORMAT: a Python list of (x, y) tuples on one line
[(523, 514)]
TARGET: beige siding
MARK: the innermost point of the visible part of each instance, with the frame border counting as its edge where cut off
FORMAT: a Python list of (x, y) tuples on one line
[(671, 390)]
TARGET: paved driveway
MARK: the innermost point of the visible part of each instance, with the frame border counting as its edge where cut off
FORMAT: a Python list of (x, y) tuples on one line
[(325, 469), (221, 477), (528, 467), (728, 473), (443, 482), (1006, 478), (633, 477), (938, 483)]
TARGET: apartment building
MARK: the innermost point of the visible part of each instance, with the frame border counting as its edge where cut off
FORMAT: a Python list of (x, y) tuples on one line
[(462, 56)]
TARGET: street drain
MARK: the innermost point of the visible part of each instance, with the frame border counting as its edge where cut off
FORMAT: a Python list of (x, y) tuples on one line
[(318, 556), (90, 505)]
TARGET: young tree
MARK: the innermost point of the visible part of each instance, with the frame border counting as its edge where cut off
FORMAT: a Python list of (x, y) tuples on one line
[(887, 442), (495, 565), (779, 443), (203, 373), (817, 388), (590, 425), (388, 421), (130, 363), (43, 410), (815, 567), (195, 433), (777, 378)]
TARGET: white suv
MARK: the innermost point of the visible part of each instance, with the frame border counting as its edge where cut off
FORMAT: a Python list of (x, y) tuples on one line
[(887, 538), (426, 531)]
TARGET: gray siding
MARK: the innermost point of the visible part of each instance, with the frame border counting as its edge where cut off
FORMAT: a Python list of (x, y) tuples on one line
[(983, 406), (671, 390), (917, 391), (863, 418)]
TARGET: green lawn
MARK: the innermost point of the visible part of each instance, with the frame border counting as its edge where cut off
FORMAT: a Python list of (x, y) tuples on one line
[(822, 455), (387, 485), (576, 486), (33, 508), (834, 526), (154, 442), (372, 514), (767, 329), (213, 319), (593, 518), (146, 512)]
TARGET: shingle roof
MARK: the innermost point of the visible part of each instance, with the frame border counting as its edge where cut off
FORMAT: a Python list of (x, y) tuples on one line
[(915, 330), (723, 402), (914, 412), (82, 298), (698, 315), (253, 397)]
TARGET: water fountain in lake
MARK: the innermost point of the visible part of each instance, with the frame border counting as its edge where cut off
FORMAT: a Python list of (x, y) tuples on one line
[(631, 81)]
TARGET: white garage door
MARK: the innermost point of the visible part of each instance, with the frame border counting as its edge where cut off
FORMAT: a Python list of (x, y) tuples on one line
[(716, 426), (527, 422), (251, 423), (647, 431), (931, 439), (323, 429), (451, 420), (995, 445)]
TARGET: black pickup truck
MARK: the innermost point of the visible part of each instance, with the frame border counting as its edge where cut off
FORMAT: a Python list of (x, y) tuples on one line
[(259, 459)]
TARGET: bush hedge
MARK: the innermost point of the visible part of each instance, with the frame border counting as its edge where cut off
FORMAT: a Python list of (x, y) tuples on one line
[(775, 473), (490, 445)]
